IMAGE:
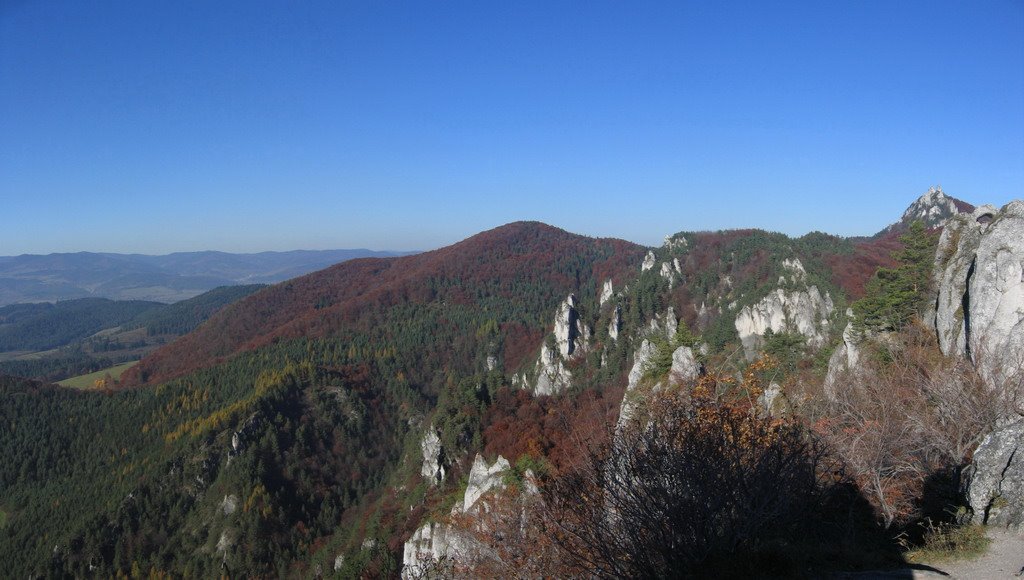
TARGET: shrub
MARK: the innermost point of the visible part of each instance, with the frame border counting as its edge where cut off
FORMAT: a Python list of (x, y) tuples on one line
[(950, 542), (700, 487)]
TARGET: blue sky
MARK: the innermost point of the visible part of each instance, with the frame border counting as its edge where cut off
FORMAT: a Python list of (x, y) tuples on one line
[(167, 126)]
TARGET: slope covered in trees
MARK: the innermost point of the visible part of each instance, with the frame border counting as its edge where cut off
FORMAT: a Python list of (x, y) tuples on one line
[(514, 275), (44, 326)]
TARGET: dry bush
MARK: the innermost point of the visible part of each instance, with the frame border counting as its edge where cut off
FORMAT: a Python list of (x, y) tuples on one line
[(905, 415), (696, 486)]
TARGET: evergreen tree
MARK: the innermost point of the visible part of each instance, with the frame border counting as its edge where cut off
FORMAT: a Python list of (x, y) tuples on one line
[(894, 295)]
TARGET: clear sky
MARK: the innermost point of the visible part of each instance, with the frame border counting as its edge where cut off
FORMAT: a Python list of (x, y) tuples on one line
[(245, 126)]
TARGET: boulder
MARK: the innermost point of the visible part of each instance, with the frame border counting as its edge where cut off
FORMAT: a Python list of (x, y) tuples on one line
[(995, 478)]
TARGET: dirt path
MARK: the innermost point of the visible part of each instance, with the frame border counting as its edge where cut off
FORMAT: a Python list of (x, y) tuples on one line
[(1004, 559)]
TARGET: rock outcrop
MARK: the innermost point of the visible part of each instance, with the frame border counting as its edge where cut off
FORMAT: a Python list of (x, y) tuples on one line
[(567, 326), (436, 542), (844, 358), (800, 311), (772, 401), (685, 367), (432, 469), (615, 325), (482, 479), (641, 360), (979, 309), (933, 209), (649, 261), (995, 478), (551, 374), (607, 291)]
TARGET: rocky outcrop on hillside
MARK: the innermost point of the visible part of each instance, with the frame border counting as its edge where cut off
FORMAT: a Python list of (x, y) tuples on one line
[(803, 311), (995, 478), (436, 542), (641, 360), (607, 291), (615, 325), (551, 374), (432, 469), (685, 367), (649, 261), (844, 358), (979, 309)]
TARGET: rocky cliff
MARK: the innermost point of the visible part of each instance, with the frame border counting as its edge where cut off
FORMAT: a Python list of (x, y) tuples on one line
[(804, 311), (979, 307), (435, 543)]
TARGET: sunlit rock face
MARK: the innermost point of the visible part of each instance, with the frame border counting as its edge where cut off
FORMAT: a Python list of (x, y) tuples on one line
[(800, 311), (979, 307), (432, 470), (437, 542), (607, 291), (551, 374), (932, 209)]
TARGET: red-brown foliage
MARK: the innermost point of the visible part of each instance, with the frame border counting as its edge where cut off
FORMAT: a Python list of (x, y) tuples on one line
[(357, 294), (560, 429)]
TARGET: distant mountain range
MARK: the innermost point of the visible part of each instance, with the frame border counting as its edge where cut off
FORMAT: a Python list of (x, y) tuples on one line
[(167, 278)]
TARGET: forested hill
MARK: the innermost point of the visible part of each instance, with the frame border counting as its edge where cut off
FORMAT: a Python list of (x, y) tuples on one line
[(514, 274)]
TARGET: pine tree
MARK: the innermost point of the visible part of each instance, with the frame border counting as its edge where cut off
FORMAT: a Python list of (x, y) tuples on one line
[(894, 295)]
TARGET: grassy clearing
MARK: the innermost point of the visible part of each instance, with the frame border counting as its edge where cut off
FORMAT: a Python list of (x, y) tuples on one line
[(949, 542), (89, 381)]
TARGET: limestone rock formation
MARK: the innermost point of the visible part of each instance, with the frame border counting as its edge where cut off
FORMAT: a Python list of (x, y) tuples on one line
[(844, 358), (552, 376), (432, 469), (607, 291), (616, 323), (995, 478), (435, 542), (567, 326), (483, 478), (684, 365), (649, 260), (641, 359), (668, 274), (802, 311), (772, 401), (933, 209), (979, 309)]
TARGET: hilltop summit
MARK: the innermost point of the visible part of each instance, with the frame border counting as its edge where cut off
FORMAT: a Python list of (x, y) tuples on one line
[(933, 208)]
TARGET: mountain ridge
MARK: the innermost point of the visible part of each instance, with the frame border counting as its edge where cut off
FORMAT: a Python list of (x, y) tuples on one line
[(161, 278)]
